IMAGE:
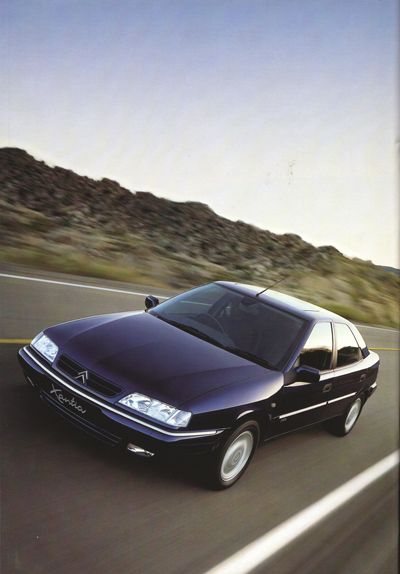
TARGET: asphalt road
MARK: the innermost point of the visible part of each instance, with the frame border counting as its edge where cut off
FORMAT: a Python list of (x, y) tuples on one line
[(71, 505)]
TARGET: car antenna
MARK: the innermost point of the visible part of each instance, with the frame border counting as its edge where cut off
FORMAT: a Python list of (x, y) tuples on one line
[(272, 285)]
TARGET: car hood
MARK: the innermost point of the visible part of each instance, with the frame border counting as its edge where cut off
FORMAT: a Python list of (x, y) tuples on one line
[(141, 353)]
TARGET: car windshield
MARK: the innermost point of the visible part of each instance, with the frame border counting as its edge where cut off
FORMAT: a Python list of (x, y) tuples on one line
[(239, 323)]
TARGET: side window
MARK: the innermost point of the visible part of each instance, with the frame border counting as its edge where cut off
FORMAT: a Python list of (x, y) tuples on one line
[(317, 352), (348, 350)]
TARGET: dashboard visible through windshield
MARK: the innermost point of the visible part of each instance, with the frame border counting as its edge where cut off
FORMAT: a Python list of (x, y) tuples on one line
[(236, 322)]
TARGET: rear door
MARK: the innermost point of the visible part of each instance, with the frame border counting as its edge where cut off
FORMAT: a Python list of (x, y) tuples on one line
[(350, 370), (300, 403)]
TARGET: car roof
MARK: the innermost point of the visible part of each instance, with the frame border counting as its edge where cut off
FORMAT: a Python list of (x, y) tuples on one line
[(293, 305)]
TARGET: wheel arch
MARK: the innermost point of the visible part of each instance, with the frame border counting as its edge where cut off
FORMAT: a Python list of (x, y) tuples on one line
[(256, 415)]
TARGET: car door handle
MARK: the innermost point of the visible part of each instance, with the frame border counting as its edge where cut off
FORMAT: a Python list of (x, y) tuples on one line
[(326, 388), (363, 377)]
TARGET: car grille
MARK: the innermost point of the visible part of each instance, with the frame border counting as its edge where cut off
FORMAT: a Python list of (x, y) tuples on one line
[(72, 369)]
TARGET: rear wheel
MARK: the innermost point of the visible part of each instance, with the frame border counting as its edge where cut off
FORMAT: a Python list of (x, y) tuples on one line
[(231, 461), (341, 426)]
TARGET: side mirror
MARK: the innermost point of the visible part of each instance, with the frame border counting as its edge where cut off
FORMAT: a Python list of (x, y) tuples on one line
[(307, 374), (151, 302)]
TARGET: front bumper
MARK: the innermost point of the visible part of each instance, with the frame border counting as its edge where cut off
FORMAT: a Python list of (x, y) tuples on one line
[(105, 421)]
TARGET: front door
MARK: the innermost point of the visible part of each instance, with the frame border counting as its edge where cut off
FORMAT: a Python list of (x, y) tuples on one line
[(300, 403)]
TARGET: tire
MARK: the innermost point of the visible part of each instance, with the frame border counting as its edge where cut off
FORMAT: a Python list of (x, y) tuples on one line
[(232, 459), (342, 425)]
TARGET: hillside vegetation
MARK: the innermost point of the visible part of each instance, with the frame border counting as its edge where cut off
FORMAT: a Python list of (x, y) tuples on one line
[(54, 219)]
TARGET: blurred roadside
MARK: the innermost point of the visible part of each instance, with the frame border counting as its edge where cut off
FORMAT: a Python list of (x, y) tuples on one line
[(52, 219), (125, 287)]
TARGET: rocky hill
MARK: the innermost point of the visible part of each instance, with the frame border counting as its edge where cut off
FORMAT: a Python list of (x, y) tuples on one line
[(53, 218)]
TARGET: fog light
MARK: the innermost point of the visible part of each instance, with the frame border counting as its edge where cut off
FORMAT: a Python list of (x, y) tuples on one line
[(139, 450)]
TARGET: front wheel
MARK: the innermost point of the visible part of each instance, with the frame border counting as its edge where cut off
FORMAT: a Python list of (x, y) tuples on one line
[(341, 426), (231, 461)]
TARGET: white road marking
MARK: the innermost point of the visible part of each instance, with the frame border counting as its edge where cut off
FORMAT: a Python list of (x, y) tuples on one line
[(391, 330), (260, 550), (81, 285)]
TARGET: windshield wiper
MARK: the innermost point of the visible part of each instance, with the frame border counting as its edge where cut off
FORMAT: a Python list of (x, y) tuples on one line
[(191, 330), (201, 335), (250, 357)]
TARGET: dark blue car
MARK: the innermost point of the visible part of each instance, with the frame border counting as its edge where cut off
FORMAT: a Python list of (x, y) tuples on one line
[(213, 372)]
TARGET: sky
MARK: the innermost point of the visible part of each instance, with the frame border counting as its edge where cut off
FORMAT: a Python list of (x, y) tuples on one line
[(280, 113)]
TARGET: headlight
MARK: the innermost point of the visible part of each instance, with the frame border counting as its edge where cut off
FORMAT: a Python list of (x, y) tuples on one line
[(45, 346), (156, 410)]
